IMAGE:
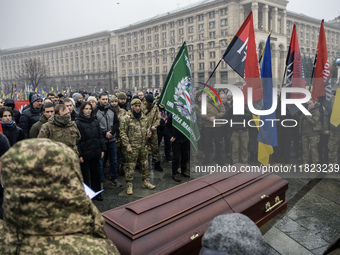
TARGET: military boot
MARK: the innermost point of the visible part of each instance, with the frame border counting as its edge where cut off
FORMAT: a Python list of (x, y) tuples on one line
[(158, 166), (129, 190), (147, 185)]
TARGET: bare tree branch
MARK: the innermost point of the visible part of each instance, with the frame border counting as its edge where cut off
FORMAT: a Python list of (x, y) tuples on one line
[(33, 73)]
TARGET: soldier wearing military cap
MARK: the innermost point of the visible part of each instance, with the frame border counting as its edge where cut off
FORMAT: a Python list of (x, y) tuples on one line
[(134, 134), (151, 111), (121, 115), (122, 101)]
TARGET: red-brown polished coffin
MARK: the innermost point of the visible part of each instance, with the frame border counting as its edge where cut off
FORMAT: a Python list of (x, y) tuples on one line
[(174, 220)]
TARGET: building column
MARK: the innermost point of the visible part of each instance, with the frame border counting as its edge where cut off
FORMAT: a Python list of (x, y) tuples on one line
[(284, 22), (255, 9), (241, 14), (265, 17), (275, 63), (274, 19)]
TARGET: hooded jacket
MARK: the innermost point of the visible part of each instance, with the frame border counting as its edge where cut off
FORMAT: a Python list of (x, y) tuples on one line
[(50, 213), (66, 133)]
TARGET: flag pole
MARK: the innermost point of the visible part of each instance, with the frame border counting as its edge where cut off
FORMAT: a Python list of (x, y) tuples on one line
[(284, 76), (219, 62), (264, 48)]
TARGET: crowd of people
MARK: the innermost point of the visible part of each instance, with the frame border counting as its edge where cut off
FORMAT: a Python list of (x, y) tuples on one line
[(124, 129), (310, 141)]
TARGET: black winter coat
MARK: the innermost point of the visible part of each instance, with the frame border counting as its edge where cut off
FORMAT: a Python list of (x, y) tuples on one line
[(14, 134), (174, 132), (92, 142), (28, 118)]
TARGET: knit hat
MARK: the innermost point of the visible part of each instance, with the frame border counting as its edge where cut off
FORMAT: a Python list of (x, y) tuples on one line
[(149, 98), (76, 96), (121, 95), (115, 91), (233, 234), (136, 101), (92, 98), (113, 99), (36, 97)]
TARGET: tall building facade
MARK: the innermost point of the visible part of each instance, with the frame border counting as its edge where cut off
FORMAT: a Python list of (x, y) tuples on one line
[(80, 63), (140, 55)]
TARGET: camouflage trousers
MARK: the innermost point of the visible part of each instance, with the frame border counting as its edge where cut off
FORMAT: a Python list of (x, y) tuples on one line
[(139, 155), (239, 144), (120, 157), (310, 143), (333, 147), (153, 142)]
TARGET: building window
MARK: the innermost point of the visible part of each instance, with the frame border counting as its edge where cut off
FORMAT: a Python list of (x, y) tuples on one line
[(224, 32), (165, 69), (191, 38), (201, 55), (224, 11), (212, 54), (211, 14), (201, 46), (224, 22), (191, 29), (211, 44), (172, 24), (164, 35), (212, 35), (180, 22), (163, 27), (201, 66), (212, 65), (201, 36), (190, 20), (212, 24), (172, 33), (200, 27), (200, 17), (181, 31)]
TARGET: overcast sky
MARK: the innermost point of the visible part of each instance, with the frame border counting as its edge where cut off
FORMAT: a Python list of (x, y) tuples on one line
[(35, 22)]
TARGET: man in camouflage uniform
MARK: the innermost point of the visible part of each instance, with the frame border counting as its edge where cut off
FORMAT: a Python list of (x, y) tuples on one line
[(51, 213), (151, 111), (48, 112), (121, 115), (310, 128), (134, 134), (60, 128)]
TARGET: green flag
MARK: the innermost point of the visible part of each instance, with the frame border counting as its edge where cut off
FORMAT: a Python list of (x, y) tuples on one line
[(178, 97)]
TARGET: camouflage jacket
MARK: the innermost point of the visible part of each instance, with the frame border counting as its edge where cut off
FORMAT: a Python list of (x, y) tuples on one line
[(34, 132), (133, 132), (213, 111), (311, 125), (50, 213), (67, 133), (153, 115)]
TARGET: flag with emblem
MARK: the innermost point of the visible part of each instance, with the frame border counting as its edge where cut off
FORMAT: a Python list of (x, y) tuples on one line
[(177, 97), (241, 56), (322, 87)]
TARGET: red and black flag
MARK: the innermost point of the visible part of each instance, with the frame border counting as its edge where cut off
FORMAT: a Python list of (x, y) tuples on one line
[(294, 75), (241, 56), (322, 88)]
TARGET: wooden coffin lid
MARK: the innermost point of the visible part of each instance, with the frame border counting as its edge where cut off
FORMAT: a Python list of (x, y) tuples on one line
[(143, 216)]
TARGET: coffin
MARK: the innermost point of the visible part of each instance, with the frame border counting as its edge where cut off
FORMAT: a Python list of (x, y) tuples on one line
[(173, 221)]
